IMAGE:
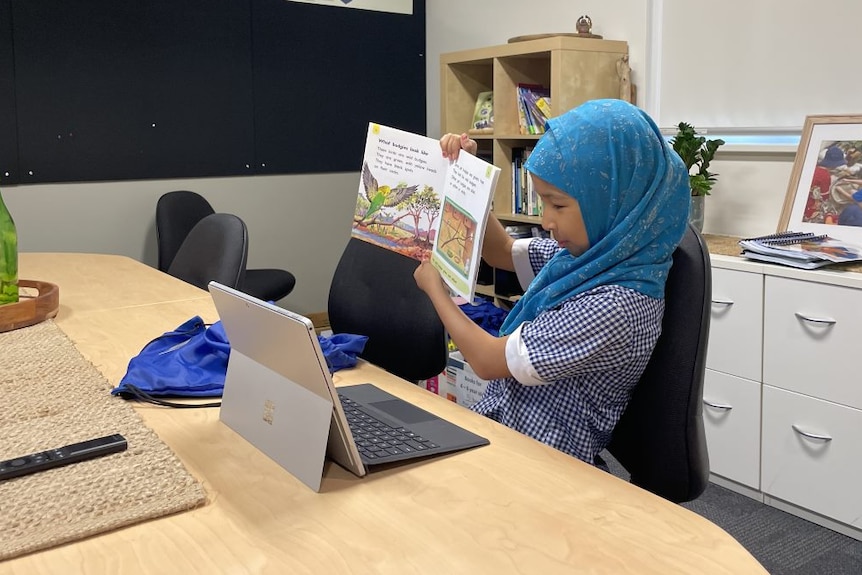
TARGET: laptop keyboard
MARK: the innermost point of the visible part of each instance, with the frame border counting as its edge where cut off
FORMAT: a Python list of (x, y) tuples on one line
[(378, 440)]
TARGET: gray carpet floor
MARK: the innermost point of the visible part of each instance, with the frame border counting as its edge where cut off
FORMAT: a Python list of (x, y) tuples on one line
[(783, 543)]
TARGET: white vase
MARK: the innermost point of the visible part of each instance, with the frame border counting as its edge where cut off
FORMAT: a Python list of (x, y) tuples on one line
[(695, 212)]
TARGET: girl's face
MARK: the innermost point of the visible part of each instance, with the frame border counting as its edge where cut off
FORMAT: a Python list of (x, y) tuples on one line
[(562, 217)]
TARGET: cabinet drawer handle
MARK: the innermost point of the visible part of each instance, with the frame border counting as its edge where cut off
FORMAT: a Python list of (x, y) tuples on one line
[(722, 302), (810, 435), (824, 320), (723, 406)]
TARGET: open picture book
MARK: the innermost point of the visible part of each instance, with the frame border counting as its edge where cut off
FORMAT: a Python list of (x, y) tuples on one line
[(413, 201)]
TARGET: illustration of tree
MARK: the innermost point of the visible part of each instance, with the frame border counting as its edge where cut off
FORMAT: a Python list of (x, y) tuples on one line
[(425, 202)]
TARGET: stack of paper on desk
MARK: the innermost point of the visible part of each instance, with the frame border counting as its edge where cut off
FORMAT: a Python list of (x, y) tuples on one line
[(800, 250)]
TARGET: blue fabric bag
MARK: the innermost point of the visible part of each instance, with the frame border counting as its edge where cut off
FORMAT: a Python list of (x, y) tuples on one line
[(486, 315), (341, 350), (191, 361)]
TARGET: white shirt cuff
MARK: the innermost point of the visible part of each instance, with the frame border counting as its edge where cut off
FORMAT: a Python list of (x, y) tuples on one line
[(518, 360), (521, 260)]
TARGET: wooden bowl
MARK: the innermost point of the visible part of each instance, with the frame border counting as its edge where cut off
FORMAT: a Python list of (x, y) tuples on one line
[(30, 310)]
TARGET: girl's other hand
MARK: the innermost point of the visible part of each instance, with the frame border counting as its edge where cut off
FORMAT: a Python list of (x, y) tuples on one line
[(428, 278)]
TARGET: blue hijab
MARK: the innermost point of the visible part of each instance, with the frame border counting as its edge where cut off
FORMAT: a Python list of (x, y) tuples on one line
[(634, 196)]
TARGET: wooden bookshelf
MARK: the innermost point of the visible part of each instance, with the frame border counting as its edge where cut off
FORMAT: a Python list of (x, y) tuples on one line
[(575, 70)]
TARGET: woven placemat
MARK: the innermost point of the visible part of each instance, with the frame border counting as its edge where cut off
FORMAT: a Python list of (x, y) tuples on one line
[(51, 396)]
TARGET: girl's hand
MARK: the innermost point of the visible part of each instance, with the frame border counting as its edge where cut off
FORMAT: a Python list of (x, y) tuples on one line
[(452, 144), (428, 278)]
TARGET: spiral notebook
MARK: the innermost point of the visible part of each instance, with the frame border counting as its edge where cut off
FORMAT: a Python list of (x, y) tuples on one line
[(800, 249)]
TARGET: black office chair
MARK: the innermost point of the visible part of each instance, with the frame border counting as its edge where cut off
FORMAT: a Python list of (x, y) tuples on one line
[(215, 249), (177, 213), (373, 293), (660, 439)]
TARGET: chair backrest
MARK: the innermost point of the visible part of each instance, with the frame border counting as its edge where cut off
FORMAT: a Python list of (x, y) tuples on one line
[(660, 438), (176, 214), (215, 249), (373, 293)]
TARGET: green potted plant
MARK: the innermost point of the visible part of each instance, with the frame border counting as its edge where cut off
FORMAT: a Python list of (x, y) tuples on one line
[(696, 152)]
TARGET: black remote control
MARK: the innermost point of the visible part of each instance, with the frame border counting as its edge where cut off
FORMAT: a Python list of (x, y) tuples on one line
[(62, 456)]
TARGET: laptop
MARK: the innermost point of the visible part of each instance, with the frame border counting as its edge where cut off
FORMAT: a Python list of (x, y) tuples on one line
[(279, 396)]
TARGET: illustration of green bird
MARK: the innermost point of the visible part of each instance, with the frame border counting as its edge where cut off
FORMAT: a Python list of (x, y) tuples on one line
[(381, 196)]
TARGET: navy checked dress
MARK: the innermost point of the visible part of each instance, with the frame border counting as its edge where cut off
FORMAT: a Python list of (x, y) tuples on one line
[(576, 365)]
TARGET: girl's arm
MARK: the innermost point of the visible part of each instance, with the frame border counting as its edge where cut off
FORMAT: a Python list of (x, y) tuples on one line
[(485, 353), (497, 246)]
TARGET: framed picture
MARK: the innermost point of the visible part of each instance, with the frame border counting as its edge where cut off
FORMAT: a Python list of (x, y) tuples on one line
[(825, 191)]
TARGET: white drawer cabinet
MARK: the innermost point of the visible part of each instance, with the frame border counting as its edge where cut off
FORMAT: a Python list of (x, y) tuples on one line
[(811, 454), (812, 337), (731, 417), (794, 410), (736, 323), (731, 410)]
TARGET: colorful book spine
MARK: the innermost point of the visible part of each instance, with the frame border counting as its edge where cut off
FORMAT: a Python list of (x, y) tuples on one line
[(532, 114)]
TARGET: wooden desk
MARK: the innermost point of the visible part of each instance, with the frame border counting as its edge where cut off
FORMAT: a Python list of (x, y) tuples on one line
[(516, 506)]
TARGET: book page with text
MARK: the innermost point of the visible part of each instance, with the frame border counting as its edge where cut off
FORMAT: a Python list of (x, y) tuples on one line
[(467, 193), (400, 182)]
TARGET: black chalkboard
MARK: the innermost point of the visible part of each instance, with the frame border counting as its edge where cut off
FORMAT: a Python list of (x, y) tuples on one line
[(321, 74), (8, 130), (127, 90)]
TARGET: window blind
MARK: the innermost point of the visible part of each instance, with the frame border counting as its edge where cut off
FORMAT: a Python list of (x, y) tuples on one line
[(753, 65)]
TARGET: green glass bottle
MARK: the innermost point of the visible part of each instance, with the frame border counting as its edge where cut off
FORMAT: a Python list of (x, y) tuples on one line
[(8, 257)]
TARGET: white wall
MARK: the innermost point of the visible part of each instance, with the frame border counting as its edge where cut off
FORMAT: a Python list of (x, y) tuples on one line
[(454, 25), (778, 61), (748, 198), (300, 223)]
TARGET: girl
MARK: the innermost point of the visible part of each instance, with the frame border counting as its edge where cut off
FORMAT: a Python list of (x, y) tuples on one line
[(616, 200)]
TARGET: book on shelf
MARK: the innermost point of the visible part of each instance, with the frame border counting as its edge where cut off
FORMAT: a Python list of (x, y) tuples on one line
[(413, 201), (483, 114), (534, 107), (525, 200), (803, 250)]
